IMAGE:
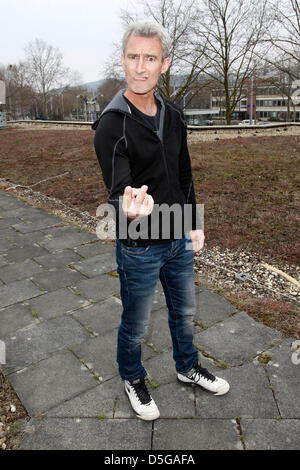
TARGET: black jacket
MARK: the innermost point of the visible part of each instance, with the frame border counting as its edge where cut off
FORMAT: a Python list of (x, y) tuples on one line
[(131, 153)]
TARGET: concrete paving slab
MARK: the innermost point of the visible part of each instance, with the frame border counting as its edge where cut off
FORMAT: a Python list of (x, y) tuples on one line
[(31, 223), (50, 382), (271, 434), (100, 354), (88, 434), (15, 317), (284, 376), (211, 308), (236, 339), (62, 229), (100, 401), (174, 400), (60, 242), (12, 202), (56, 303), (62, 238), (96, 265), (5, 196), (161, 367), (20, 270), (250, 395), (195, 434), (19, 254), (6, 222), (5, 245), (22, 240), (31, 214), (99, 287), (37, 341), (17, 291), (3, 261), (58, 258), (26, 212), (6, 232), (57, 278), (94, 249), (102, 316)]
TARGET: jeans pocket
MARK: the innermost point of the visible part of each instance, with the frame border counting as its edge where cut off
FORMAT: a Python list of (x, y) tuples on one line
[(135, 250)]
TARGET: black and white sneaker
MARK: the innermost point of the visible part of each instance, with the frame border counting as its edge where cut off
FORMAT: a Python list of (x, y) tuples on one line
[(200, 376), (141, 401)]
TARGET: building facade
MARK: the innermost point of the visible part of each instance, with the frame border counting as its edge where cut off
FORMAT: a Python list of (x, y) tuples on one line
[(269, 102)]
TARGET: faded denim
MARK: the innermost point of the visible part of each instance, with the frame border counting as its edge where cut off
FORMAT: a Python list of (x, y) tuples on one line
[(139, 269)]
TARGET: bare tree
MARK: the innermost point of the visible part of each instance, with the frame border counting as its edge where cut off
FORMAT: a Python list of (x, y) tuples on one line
[(228, 34), (285, 38), (107, 90), (178, 17), (19, 93), (46, 69)]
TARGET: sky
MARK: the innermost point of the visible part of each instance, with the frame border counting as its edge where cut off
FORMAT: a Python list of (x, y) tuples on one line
[(83, 31)]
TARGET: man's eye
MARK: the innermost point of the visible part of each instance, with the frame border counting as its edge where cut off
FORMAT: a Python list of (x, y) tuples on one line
[(151, 59)]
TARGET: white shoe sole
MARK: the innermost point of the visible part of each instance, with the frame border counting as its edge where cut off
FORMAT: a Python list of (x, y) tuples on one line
[(148, 418), (222, 391)]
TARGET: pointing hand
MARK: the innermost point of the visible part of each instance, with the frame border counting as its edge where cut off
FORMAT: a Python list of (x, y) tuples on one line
[(136, 202)]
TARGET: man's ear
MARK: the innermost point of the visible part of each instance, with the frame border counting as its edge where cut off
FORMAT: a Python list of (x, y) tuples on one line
[(165, 65)]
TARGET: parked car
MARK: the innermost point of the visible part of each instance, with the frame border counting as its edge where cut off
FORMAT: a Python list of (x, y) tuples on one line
[(246, 122), (263, 123), (207, 122)]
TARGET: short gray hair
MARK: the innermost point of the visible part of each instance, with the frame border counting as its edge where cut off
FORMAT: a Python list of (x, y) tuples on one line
[(149, 28)]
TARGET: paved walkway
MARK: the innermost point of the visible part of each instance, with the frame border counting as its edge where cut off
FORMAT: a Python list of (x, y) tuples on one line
[(59, 313)]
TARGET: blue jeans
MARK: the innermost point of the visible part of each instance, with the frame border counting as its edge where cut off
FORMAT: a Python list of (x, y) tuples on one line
[(139, 269)]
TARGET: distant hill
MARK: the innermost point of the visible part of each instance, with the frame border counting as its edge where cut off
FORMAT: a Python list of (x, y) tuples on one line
[(92, 86)]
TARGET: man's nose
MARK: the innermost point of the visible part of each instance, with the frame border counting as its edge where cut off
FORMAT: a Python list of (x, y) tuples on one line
[(140, 65)]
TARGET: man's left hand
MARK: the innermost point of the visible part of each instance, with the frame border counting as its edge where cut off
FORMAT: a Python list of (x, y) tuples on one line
[(197, 237)]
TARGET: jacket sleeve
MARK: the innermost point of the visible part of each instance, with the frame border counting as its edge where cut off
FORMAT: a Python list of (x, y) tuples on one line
[(187, 184), (111, 150)]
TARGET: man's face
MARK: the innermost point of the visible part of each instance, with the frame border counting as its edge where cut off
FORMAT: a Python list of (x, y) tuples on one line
[(143, 64)]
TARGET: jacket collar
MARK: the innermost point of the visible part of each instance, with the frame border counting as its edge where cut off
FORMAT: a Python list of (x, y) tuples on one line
[(118, 103)]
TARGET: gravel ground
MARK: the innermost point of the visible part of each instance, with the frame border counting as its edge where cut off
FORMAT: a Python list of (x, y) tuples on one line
[(235, 269)]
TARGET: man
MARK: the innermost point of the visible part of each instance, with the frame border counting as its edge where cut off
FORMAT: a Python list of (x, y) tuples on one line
[(141, 146)]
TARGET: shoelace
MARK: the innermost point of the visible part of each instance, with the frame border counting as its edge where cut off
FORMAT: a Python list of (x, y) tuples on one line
[(204, 372), (141, 391)]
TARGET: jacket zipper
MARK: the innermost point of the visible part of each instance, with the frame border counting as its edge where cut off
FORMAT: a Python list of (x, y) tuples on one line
[(161, 143)]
